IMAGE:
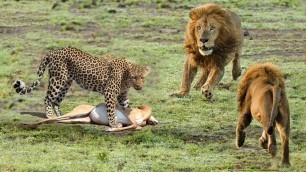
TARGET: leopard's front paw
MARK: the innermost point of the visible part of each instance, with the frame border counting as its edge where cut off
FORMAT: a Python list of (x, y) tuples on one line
[(116, 125)]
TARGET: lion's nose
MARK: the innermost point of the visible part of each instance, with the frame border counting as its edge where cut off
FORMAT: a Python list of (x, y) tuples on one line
[(204, 40)]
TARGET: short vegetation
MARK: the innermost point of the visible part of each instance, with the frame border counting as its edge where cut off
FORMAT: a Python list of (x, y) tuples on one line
[(193, 134)]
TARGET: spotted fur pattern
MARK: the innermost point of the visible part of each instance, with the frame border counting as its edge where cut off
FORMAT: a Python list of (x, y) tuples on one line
[(110, 77)]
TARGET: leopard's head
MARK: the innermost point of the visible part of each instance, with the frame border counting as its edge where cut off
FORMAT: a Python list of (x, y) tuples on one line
[(137, 74)]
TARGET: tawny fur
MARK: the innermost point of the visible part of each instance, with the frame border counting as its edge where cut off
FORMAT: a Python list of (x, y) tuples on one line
[(261, 95), (131, 118), (222, 31)]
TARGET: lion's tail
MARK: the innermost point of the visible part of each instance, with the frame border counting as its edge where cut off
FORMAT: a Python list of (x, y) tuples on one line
[(19, 85), (276, 92)]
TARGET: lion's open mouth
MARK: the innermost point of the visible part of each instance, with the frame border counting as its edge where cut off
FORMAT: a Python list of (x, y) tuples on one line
[(205, 50)]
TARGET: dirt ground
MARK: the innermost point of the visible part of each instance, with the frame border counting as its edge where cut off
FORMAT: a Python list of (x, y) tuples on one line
[(287, 45)]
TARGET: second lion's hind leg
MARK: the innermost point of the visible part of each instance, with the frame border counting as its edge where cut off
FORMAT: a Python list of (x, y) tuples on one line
[(244, 121), (264, 140), (283, 126), (272, 144)]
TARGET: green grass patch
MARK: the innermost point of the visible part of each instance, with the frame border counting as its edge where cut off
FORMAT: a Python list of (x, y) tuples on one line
[(193, 134)]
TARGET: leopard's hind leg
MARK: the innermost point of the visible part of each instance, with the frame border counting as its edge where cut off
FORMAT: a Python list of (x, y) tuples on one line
[(60, 96), (57, 90), (48, 107)]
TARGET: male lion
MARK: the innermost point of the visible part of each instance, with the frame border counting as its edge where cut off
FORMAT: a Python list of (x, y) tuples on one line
[(213, 38), (262, 95)]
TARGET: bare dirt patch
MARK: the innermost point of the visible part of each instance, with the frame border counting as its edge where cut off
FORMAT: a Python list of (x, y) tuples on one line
[(281, 43)]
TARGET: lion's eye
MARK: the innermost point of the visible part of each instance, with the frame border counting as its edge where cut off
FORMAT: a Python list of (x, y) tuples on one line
[(212, 28), (198, 27)]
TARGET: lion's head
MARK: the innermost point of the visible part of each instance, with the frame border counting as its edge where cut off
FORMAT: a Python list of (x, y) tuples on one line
[(211, 28)]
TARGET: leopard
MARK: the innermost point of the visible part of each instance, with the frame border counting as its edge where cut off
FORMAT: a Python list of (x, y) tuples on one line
[(112, 77)]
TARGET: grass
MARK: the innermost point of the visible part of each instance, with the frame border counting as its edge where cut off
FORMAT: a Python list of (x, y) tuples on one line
[(194, 135)]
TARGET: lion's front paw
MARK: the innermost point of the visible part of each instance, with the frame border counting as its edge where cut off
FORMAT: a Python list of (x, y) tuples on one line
[(197, 87), (236, 73), (178, 95), (208, 94)]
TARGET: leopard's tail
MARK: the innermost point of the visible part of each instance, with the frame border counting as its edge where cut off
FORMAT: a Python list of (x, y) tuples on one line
[(276, 92), (20, 86)]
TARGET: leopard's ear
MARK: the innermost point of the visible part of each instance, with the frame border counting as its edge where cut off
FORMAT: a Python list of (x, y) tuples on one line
[(130, 65), (146, 71)]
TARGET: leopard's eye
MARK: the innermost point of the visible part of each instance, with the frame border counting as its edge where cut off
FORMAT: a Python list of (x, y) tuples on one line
[(212, 28), (198, 27)]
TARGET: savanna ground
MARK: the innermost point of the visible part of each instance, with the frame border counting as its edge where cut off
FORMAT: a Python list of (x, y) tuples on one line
[(193, 134)]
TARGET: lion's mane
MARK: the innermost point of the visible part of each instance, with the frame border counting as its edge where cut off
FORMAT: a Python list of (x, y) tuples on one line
[(267, 72), (229, 37)]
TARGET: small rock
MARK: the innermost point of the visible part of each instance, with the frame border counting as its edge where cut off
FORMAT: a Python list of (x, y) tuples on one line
[(113, 11), (246, 33)]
